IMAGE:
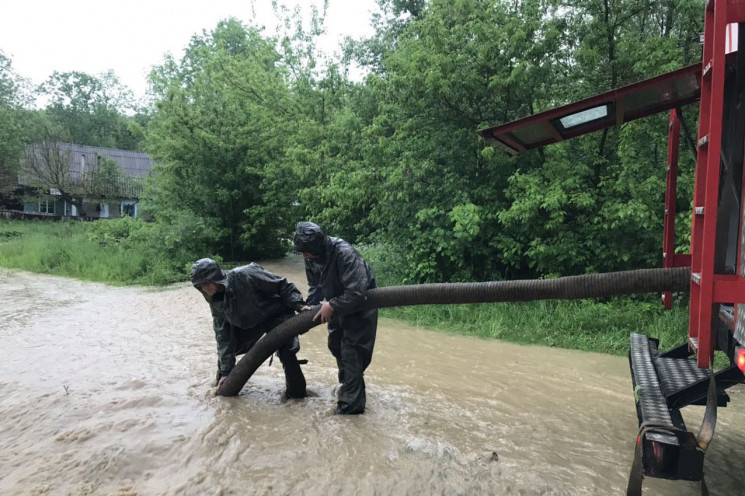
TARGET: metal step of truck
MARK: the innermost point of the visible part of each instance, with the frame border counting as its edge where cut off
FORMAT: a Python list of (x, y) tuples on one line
[(669, 450), (684, 383)]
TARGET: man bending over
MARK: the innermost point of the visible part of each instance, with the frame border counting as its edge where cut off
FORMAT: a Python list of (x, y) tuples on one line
[(247, 302)]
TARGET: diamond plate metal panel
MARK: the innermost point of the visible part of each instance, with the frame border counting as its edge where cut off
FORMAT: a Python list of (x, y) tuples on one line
[(651, 400), (679, 373)]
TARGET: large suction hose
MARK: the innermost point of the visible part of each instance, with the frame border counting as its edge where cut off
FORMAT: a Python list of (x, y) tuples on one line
[(563, 288)]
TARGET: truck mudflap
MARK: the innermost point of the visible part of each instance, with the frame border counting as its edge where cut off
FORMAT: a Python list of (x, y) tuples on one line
[(664, 447)]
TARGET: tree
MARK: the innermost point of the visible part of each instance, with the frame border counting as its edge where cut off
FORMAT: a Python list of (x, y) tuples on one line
[(455, 67), (16, 127), (224, 116), (105, 179), (91, 109), (390, 22)]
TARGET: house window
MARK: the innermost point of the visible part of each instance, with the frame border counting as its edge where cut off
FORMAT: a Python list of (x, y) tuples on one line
[(82, 166), (104, 210), (70, 210), (46, 206), (129, 208)]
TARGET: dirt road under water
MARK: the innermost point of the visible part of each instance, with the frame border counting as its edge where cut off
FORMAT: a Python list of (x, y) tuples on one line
[(106, 391)]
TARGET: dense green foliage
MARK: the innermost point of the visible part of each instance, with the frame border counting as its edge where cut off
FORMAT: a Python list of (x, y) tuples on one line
[(252, 132), (90, 110), (221, 123), (17, 125)]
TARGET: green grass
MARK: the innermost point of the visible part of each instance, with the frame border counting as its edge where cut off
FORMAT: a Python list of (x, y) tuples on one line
[(72, 249), (588, 325)]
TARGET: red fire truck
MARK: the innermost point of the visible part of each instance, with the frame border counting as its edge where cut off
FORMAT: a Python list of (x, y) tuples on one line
[(666, 382)]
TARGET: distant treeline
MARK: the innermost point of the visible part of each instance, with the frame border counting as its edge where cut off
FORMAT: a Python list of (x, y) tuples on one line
[(253, 131)]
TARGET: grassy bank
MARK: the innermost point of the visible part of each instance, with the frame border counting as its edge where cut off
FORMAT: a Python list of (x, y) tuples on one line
[(95, 251), (582, 324)]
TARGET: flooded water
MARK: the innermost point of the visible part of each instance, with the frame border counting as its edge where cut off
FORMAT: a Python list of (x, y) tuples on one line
[(106, 391)]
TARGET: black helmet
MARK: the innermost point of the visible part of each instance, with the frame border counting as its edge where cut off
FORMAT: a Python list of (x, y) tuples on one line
[(206, 270)]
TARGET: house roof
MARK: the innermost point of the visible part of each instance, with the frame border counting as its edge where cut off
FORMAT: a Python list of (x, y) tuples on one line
[(132, 164), (613, 108), (135, 166)]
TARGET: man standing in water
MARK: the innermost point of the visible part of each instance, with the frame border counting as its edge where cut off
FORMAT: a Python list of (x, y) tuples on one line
[(338, 279), (247, 302)]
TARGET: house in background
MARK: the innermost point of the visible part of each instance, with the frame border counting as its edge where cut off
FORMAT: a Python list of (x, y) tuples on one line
[(63, 179)]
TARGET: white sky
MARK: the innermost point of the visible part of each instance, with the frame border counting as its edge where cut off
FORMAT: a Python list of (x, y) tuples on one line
[(129, 37)]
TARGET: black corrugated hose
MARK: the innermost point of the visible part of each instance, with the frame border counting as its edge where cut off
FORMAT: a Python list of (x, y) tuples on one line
[(563, 288)]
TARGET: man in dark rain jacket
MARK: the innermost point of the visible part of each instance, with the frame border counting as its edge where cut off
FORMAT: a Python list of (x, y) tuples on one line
[(247, 302), (338, 278)]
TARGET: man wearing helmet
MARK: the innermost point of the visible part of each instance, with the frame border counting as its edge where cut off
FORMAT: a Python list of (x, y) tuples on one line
[(338, 279), (246, 302)]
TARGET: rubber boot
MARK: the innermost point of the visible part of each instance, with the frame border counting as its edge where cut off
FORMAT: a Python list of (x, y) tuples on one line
[(294, 377)]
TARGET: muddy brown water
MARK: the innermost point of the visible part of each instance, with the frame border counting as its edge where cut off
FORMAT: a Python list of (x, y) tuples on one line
[(106, 391)]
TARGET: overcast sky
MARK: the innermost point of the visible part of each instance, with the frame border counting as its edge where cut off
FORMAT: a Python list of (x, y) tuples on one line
[(41, 36)]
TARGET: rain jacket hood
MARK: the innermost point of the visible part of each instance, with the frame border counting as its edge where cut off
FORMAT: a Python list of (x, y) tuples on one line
[(338, 273), (207, 270), (310, 238)]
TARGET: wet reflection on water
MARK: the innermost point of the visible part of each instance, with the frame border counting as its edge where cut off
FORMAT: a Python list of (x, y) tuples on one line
[(106, 391)]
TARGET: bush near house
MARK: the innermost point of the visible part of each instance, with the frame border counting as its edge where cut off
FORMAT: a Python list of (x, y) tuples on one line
[(116, 252)]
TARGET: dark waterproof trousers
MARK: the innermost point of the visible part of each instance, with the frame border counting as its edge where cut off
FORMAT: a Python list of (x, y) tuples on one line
[(294, 378), (351, 341)]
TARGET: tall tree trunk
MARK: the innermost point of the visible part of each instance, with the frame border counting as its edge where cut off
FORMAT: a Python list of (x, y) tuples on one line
[(610, 34), (669, 18)]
